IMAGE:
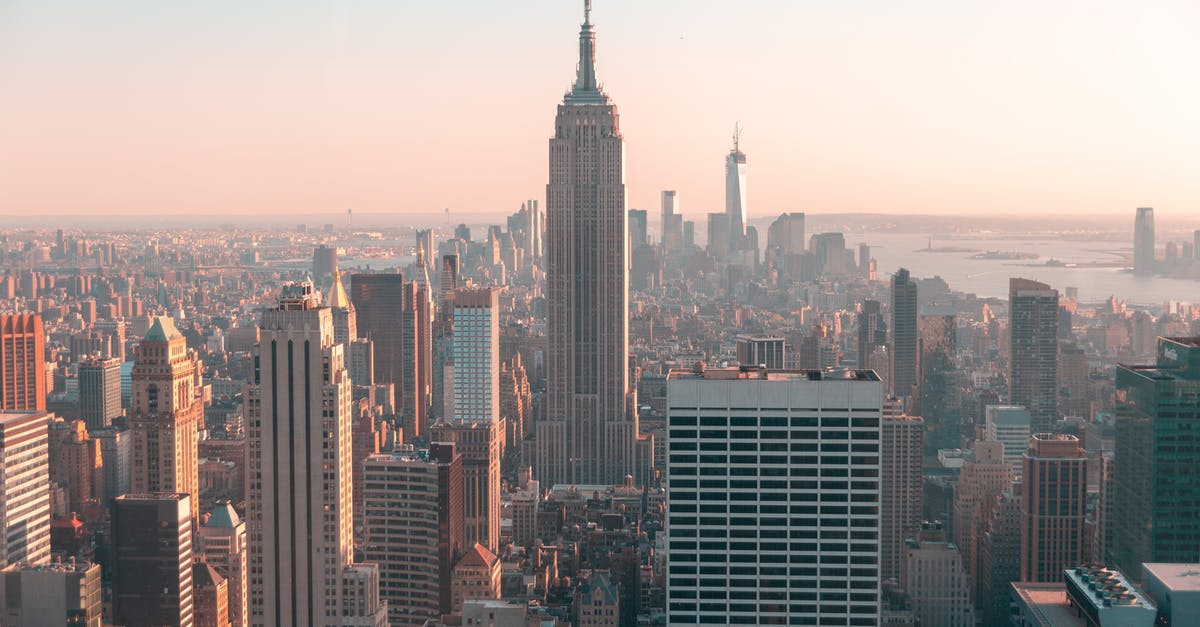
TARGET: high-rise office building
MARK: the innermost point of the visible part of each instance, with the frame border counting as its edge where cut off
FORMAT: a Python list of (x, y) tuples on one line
[(761, 350), (587, 435), (165, 415), (324, 264), (476, 355), (936, 398), (1144, 260), (773, 513), (735, 192), (478, 443), (474, 424), (1053, 507), (902, 484), (935, 577), (378, 299), (1156, 496), (221, 544), (637, 228), (449, 280), (718, 236), (152, 559), (984, 477), (416, 327), (24, 488), (100, 392), (671, 223), (1010, 426), (872, 331), (1033, 355), (22, 363), (904, 334), (414, 529), (999, 560), (300, 496)]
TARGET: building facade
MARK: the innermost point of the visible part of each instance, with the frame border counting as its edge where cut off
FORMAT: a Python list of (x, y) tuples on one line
[(165, 415), (300, 494), (587, 435), (152, 560), (1033, 353), (25, 486), (22, 363), (774, 484), (1053, 507)]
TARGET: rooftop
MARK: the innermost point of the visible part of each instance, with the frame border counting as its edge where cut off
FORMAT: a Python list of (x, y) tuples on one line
[(759, 373), (163, 330), (1176, 577)]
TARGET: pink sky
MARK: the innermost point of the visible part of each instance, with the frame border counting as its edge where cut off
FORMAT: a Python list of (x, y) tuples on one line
[(139, 106)]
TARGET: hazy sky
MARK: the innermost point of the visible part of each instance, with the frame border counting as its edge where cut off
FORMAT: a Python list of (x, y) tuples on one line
[(304, 106)]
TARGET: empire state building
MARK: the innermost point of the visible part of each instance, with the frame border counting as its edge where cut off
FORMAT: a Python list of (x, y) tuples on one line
[(589, 434)]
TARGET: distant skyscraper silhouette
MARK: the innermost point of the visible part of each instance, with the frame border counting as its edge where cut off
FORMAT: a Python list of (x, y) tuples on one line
[(1033, 355), (1143, 241), (904, 334), (735, 192), (22, 363), (587, 435), (100, 392)]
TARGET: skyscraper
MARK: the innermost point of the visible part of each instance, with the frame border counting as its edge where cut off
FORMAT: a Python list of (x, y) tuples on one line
[(1156, 496), (587, 436), (1143, 242), (904, 334), (22, 363), (152, 560), (762, 481), (1009, 425), (414, 529), (637, 227), (24, 488), (165, 415), (378, 299), (901, 485), (735, 192), (671, 223), (936, 398), (100, 392), (1033, 357), (872, 332), (1053, 507), (416, 327), (300, 496)]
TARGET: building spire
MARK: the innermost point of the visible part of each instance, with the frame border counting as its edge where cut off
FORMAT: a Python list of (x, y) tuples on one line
[(585, 79)]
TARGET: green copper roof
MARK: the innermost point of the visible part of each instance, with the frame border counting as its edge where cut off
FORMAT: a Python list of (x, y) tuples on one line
[(162, 330)]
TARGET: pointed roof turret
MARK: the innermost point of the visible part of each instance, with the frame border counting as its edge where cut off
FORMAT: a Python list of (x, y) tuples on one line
[(337, 298), (163, 330), (586, 87)]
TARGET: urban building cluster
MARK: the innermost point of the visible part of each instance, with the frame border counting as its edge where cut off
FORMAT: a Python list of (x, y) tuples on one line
[(575, 419)]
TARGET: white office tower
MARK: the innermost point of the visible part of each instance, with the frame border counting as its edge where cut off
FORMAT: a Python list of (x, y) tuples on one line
[(24, 488), (223, 546), (773, 505), (1009, 425), (300, 488)]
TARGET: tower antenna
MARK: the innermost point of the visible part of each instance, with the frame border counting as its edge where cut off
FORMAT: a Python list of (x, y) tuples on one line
[(737, 135)]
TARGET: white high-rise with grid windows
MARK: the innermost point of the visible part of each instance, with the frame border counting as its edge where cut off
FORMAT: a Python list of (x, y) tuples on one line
[(476, 356), (773, 504)]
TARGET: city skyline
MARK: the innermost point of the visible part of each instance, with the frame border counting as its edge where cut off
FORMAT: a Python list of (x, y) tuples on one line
[(1087, 120)]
